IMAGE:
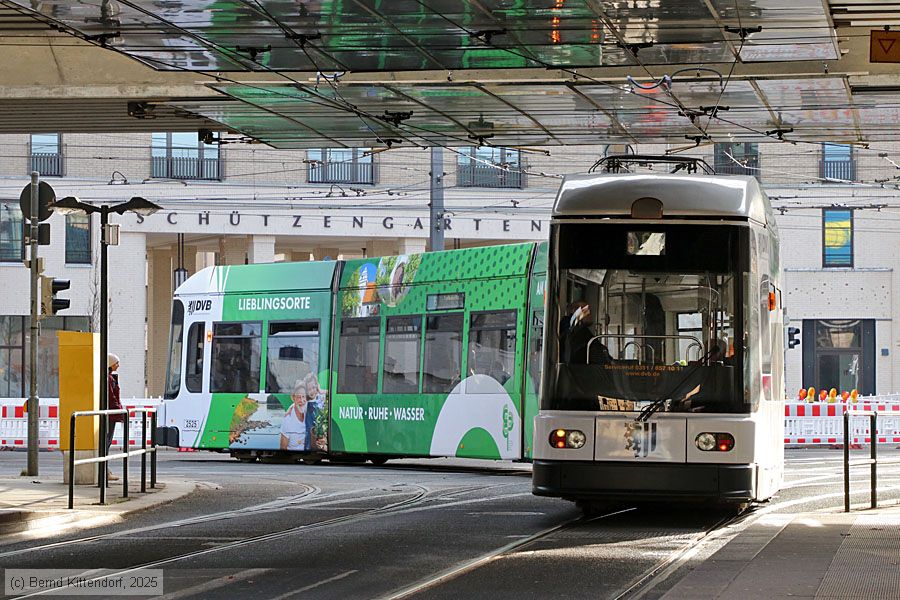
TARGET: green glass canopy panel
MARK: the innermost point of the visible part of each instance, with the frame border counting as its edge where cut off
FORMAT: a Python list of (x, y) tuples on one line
[(413, 35)]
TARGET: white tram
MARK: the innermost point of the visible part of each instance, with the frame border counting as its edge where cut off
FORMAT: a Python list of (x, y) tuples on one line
[(663, 367)]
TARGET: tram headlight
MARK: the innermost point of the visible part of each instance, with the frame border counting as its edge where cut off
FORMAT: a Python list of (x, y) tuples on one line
[(567, 438), (575, 439), (722, 442)]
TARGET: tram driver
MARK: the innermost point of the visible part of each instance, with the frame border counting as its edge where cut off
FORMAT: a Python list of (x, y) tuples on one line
[(576, 335)]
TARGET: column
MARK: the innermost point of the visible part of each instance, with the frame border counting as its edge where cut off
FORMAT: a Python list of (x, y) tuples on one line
[(325, 253), (159, 315), (381, 248), (411, 245), (261, 249), (233, 250)]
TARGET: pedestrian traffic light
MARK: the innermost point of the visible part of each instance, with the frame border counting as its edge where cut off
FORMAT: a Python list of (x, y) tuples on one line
[(793, 332), (50, 304)]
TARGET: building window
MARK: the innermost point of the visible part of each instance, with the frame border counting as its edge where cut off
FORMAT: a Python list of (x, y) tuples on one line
[(78, 239), (489, 167), (839, 354), (13, 341), (46, 154), (12, 242), (340, 165), (837, 162), (837, 237), (736, 158), (182, 156)]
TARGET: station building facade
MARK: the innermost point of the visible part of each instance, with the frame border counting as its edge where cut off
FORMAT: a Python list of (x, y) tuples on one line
[(237, 204)]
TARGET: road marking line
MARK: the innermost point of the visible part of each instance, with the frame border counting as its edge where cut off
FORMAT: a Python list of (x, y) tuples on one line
[(314, 585), (214, 584)]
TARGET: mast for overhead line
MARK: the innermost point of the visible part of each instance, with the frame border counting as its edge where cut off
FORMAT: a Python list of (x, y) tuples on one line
[(436, 202)]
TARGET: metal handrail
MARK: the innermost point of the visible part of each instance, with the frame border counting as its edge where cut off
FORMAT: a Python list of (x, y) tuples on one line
[(872, 461), (631, 335), (104, 458)]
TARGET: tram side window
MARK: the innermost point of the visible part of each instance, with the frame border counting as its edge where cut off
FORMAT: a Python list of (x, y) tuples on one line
[(292, 354), (401, 355), (492, 345), (173, 371), (358, 364), (443, 353), (235, 357), (193, 370)]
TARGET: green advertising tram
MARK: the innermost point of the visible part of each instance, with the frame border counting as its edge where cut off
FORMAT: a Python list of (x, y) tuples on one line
[(419, 355)]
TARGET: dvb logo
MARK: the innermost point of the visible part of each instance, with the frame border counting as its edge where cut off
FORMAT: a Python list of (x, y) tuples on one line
[(198, 306), (640, 437)]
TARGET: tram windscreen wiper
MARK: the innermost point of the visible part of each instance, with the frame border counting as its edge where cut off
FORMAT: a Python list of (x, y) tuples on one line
[(652, 408)]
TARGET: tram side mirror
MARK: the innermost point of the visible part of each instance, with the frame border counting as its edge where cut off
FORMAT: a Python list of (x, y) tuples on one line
[(793, 332)]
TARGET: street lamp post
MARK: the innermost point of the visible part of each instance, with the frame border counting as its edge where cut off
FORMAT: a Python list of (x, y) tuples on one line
[(137, 205)]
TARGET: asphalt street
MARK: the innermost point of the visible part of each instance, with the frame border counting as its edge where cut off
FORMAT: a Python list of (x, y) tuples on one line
[(412, 528)]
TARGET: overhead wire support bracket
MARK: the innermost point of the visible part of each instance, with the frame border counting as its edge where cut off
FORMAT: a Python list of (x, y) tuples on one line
[(634, 47), (486, 35), (743, 32), (102, 38), (697, 138), (396, 117), (303, 38), (253, 51), (779, 133)]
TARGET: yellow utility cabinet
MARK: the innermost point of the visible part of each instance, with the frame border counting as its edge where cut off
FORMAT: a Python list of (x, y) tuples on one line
[(79, 369)]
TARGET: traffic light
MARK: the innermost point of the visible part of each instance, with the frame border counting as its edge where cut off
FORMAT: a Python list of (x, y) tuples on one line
[(793, 332), (50, 304)]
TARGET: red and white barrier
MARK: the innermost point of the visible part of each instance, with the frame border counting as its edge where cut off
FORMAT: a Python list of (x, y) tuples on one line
[(818, 423), (14, 423)]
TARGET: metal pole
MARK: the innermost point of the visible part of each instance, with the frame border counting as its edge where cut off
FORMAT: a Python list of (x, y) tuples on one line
[(104, 383), (846, 461), (72, 461), (436, 205), (125, 460), (153, 445), (144, 455), (33, 403), (102, 463), (873, 454)]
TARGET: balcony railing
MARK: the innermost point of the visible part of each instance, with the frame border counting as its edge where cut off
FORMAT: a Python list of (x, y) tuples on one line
[(749, 166), (185, 167), (47, 164), (490, 177), (837, 169), (342, 172)]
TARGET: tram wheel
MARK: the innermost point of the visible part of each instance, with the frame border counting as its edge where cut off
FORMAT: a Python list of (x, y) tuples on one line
[(311, 461), (244, 457), (378, 460)]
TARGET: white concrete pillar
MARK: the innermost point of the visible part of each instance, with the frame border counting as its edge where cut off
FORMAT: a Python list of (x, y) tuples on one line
[(261, 249), (233, 250), (381, 248), (411, 245), (326, 254), (159, 313)]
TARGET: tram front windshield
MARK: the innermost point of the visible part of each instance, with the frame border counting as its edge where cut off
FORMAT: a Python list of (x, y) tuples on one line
[(646, 315)]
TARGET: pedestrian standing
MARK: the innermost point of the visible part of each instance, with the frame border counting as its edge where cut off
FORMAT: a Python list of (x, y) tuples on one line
[(113, 402)]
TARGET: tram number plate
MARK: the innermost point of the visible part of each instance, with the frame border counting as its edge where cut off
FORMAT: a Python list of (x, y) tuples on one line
[(191, 424)]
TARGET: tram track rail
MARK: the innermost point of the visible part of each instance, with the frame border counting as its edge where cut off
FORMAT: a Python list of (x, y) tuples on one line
[(419, 500), (487, 557)]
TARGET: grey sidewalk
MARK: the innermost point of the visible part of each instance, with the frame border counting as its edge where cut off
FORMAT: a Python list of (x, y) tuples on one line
[(34, 503), (804, 557)]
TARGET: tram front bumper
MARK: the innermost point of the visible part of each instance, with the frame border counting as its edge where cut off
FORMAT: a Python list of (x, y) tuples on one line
[(616, 480)]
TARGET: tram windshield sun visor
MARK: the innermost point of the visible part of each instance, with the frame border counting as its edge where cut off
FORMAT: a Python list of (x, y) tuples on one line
[(647, 318)]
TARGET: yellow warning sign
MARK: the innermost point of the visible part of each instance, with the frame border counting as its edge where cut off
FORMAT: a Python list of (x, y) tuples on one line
[(884, 46)]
